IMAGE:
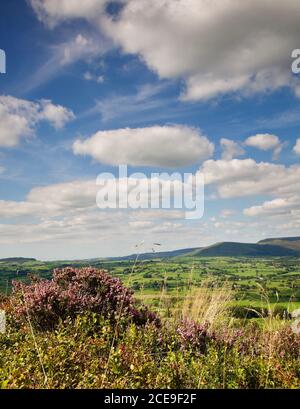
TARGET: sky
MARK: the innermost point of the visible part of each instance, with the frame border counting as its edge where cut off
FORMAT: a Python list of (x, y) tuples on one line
[(184, 86)]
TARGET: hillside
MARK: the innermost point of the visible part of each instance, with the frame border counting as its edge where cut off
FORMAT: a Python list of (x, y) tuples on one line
[(286, 242), (16, 260), (232, 249), (281, 247), (159, 254)]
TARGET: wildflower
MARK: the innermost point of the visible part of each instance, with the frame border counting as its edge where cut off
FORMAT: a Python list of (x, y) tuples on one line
[(74, 291)]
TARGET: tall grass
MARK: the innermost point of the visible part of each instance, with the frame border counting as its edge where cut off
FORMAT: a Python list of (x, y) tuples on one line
[(207, 304)]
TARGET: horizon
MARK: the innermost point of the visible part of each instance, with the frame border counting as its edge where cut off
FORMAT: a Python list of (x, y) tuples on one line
[(149, 251)]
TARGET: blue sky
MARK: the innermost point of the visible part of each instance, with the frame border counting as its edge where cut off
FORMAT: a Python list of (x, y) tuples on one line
[(184, 86)]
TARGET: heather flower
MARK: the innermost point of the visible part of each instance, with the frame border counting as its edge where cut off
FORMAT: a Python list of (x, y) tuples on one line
[(194, 335), (76, 291), (230, 337)]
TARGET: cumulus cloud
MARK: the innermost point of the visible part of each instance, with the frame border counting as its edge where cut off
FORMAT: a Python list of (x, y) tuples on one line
[(241, 178), (248, 50), (285, 211), (68, 211), (19, 117), (80, 197), (56, 115), (279, 206), (52, 200), (297, 147), (13, 209), (246, 177), (163, 146), (230, 149), (53, 12), (58, 198), (265, 142)]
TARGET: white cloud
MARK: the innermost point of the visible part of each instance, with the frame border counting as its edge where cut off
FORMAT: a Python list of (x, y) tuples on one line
[(297, 147), (149, 102), (230, 149), (56, 115), (78, 197), (57, 198), (202, 87), (225, 213), (277, 206), (12, 209), (264, 142), (241, 178), (284, 213), (228, 46), (61, 221), (19, 117), (164, 146), (88, 76), (245, 177), (53, 200), (82, 46), (68, 212), (53, 12)]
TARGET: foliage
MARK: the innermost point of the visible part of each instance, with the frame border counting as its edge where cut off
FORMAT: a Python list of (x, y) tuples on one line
[(84, 329), (194, 335), (79, 354), (251, 279), (74, 291)]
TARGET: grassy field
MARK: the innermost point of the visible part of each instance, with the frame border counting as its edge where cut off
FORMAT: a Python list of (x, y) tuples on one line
[(255, 282)]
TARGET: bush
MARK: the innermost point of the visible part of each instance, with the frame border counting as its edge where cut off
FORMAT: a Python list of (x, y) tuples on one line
[(248, 311), (79, 354), (194, 335), (258, 312), (74, 291)]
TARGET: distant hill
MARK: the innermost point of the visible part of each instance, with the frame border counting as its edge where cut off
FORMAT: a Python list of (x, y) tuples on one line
[(16, 260), (270, 247), (280, 247), (159, 254), (287, 242), (225, 249), (232, 249)]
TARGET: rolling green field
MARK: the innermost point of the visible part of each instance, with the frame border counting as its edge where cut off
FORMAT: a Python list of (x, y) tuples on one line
[(254, 281)]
